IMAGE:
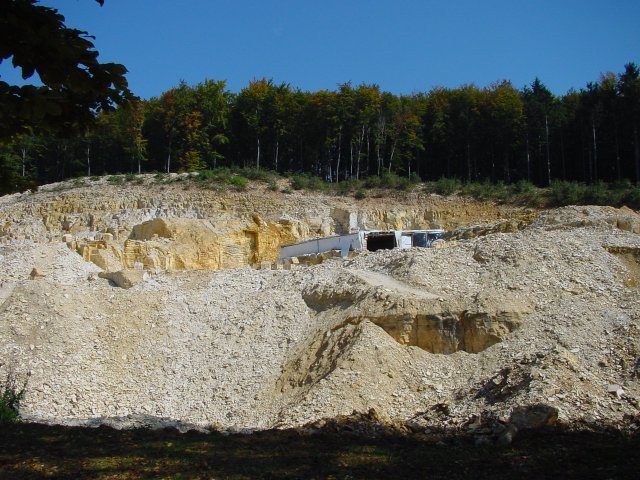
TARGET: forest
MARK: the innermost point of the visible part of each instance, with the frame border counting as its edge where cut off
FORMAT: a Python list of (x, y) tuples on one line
[(498, 133)]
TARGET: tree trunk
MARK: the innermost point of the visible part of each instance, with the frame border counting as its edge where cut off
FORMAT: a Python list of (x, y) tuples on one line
[(562, 157), (169, 156), (468, 161), (351, 156), (393, 151), (368, 150), (339, 156), (595, 150), (636, 152), (507, 167), (618, 167), (378, 142), (258, 154), (24, 160), (360, 141), (88, 160), (546, 132), (528, 156)]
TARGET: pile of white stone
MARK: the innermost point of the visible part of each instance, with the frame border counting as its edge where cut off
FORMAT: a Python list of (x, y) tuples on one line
[(253, 349)]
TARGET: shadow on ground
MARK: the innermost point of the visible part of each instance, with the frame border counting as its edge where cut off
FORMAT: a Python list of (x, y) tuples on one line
[(32, 451)]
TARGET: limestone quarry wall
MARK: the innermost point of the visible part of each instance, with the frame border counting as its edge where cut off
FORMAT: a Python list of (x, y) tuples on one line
[(164, 227), (512, 311)]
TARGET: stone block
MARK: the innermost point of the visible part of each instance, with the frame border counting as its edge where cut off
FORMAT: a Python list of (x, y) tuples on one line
[(124, 278), (36, 273)]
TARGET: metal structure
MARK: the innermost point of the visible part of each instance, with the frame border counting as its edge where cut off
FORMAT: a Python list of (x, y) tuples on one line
[(371, 240)]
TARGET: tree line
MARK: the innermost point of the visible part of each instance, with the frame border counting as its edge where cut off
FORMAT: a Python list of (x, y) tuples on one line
[(497, 133)]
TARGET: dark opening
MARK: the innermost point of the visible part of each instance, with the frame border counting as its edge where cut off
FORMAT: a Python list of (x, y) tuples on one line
[(432, 237), (420, 239), (381, 242)]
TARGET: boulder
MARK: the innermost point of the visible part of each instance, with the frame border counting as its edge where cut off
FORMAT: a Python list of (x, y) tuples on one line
[(124, 278)]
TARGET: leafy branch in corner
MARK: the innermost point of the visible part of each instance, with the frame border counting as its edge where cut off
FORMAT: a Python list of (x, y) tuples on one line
[(11, 394)]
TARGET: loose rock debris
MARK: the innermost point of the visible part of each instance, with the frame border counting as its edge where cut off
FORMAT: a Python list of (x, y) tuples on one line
[(515, 328)]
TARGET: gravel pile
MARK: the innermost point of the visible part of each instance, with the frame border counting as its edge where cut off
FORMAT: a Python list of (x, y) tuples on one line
[(557, 303)]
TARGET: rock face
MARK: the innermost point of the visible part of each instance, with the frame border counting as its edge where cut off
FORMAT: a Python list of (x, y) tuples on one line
[(118, 227), (416, 317), (528, 325)]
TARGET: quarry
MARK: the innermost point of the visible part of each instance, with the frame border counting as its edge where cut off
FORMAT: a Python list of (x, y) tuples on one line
[(138, 305)]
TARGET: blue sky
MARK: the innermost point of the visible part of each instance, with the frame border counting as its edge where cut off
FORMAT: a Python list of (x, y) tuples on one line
[(403, 46)]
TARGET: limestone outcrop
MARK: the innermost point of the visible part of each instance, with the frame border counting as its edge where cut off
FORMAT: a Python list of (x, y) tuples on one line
[(119, 227)]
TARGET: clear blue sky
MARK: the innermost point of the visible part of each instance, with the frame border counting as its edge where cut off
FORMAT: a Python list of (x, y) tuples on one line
[(403, 46)]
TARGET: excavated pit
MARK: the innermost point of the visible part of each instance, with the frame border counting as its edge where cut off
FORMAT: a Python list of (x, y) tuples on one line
[(414, 317), (450, 333)]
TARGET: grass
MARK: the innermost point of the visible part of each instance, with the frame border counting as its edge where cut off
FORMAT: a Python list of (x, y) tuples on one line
[(31, 451)]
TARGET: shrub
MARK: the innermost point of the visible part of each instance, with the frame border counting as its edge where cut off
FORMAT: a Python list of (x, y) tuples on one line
[(486, 190), (257, 174), (316, 183), (414, 178), (598, 194), (273, 186), (360, 194), (239, 182), (115, 179), (446, 186), (523, 186), (307, 182), (299, 182), (631, 197), (130, 177), (390, 180), (10, 397), (563, 193), (373, 182)]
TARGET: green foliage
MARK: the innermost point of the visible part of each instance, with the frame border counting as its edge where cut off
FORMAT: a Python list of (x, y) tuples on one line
[(414, 178), (390, 180), (600, 193), (239, 182), (308, 182), (257, 174), (74, 83), (116, 179), (445, 186), (360, 194), (522, 138), (563, 193), (373, 181), (11, 394), (631, 197), (346, 186)]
